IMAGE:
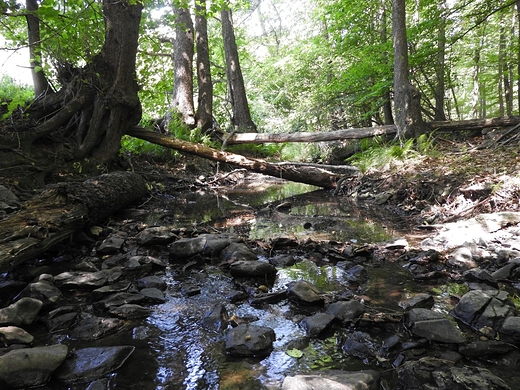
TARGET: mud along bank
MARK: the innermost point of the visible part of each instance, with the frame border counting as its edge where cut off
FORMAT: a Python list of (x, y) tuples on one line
[(140, 302)]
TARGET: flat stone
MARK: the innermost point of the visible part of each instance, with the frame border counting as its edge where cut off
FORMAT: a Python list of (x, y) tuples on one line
[(250, 340), (31, 367), (334, 380), (305, 293), (153, 295), (510, 330), (481, 348), (90, 327), (130, 311), (81, 280), (88, 364), (442, 331), (424, 301), (346, 311), (22, 312), (110, 246), (14, 335), (151, 282), (316, 324), (252, 268), (160, 235)]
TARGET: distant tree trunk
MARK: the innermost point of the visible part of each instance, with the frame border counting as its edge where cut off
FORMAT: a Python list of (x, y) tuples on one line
[(407, 99), (98, 102), (241, 120), (183, 67), (518, 55), (204, 116), (501, 65), (440, 86), (388, 117), (40, 83)]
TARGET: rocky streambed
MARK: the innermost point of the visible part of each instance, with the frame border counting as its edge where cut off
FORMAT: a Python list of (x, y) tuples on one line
[(134, 305)]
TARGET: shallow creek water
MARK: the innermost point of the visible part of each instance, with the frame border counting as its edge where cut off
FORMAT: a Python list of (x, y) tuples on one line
[(175, 351)]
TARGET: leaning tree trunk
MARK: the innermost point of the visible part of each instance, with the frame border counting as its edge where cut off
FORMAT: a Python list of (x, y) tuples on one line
[(204, 116), (61, 210), (98, 102), (241, 120)]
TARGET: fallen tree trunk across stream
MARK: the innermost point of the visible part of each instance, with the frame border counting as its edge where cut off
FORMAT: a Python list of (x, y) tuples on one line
[(364, 132), (319, 175), (61, 210)]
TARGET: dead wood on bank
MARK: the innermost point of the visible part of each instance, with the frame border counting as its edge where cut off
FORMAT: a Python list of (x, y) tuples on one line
[(61, 210), (325, 176), (365, 132)]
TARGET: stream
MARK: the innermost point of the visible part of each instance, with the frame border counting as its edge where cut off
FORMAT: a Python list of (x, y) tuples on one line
[(177, 348)]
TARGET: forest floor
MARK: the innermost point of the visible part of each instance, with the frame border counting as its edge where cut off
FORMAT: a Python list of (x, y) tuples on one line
[(455, 180)]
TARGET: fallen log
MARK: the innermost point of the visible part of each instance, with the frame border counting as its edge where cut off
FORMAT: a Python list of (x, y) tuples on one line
[(61, 210), (318, 175), (364, 132)]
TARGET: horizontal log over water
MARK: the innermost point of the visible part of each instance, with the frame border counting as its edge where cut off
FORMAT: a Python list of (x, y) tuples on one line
[(364, 132), (61, 210), (318, 175)]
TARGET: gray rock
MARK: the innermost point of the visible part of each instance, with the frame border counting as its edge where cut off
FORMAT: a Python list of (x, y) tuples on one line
[(359, 345), (153, 295), (110, 246), (30, 367), (206, 244), (510, 330), (22, 312), (346, 311), (216, 319), (61, 318), (151, 282), (250, 340), (237, 251), (119, 299), (485, 348), (432, 373), (316, 324), (81, 280), (507, 270), (130, 311), (305, 293), (160, 235), (88, 364), (282, 261), (103, 292), (357, 273), (462, 258), (433, 326), (154, 261), (424, 301), (334, 380), (252, 268), (483, 309), (43, 290), (90, 327), (14, 335), (480, 276)]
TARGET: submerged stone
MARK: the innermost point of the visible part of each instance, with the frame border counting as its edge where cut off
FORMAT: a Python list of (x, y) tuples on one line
[(334, 380), (30, 367), (250, 340), (88, 364)]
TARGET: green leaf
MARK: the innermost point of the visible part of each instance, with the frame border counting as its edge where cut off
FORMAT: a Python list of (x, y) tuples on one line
[(295, 353)]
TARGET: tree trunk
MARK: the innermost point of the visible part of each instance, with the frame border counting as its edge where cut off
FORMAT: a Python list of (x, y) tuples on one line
[(318, 175), (204, 116), (40, 83), (407, 99), (60, 211), (183, 67), (440, 86), (241, 120), (98, 102)]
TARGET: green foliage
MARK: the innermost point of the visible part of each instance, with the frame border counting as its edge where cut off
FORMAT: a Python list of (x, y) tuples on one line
[(258, 151), (13, 96), (376, 154)]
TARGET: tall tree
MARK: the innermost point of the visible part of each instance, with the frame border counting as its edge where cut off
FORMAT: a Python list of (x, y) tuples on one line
[(241, 120), (440, 66), (40, 82), (183, 66), (407, 99), (204, 116)]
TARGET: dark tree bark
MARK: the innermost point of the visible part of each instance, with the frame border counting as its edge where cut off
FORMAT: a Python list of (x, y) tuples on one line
[(204, 116), (440, 86), (241, 120), (60, 211), (40, 82), (98, 102), (183, 67), (407, 99)]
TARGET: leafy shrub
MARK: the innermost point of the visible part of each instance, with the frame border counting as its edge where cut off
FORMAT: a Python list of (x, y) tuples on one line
[(13, 96)]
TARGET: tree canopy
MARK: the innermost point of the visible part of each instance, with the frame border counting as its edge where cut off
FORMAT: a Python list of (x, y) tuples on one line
[(314, 65)]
